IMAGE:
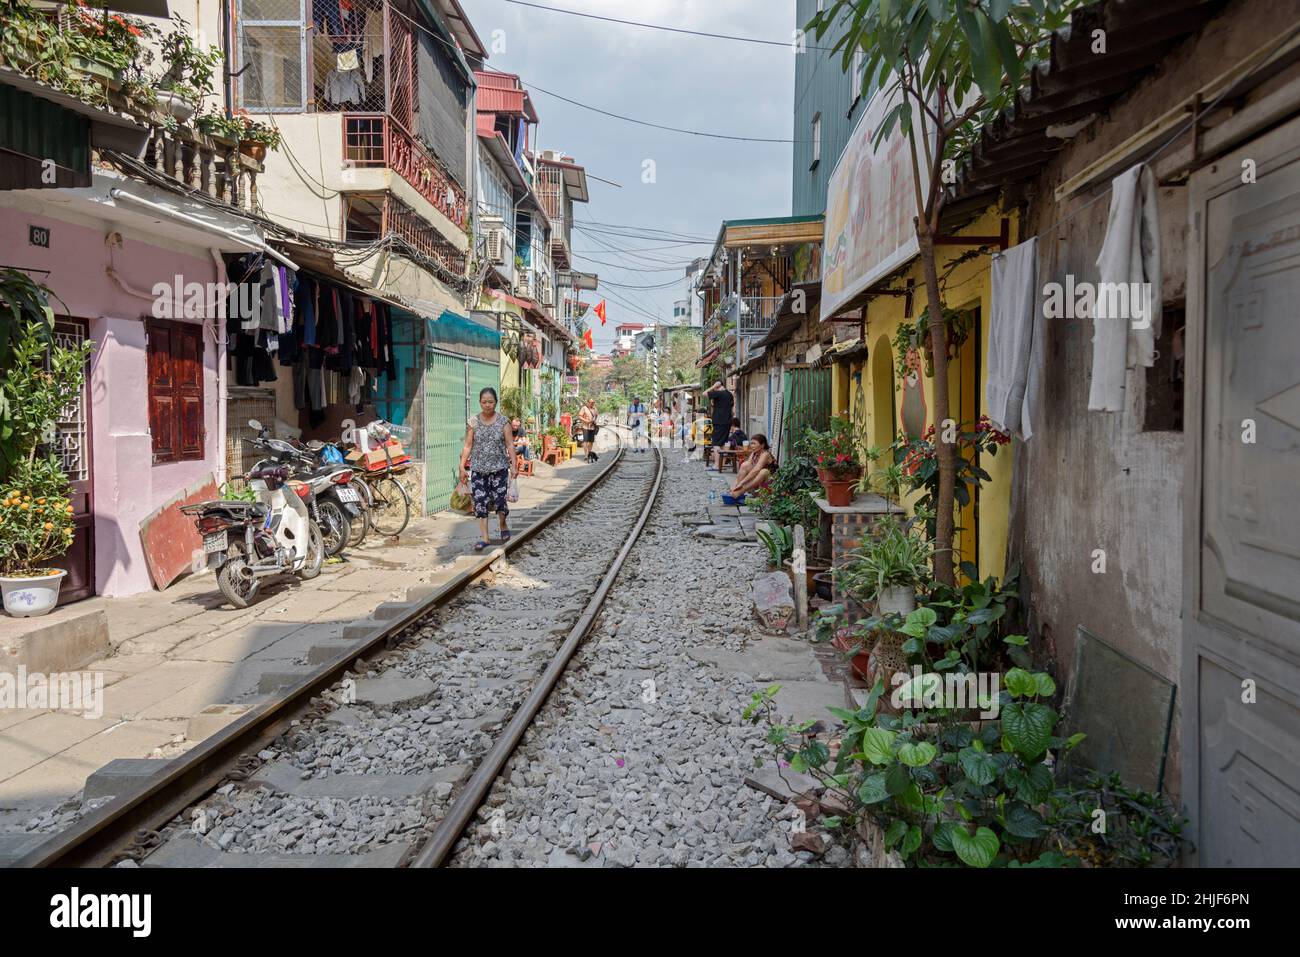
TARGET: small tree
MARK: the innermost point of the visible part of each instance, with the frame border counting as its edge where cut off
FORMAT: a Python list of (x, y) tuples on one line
[(41, 378), (951, 66)]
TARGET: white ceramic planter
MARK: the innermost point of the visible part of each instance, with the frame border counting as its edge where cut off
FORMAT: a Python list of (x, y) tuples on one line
[(896, 599), (29, 597), (176, 105)]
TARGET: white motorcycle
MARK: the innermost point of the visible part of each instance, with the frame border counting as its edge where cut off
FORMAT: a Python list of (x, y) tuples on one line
[(247, 542)]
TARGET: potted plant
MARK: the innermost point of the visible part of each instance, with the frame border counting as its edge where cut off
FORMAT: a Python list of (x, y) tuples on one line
[(190, 69), (256, 138), (838, 460), (889, 568), (41, 379), (224, 129)]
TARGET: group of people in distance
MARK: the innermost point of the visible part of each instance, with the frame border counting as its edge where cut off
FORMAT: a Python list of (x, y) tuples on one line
[(677, 422)]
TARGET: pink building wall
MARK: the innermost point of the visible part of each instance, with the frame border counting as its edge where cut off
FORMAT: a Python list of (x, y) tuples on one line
[(127, 485)]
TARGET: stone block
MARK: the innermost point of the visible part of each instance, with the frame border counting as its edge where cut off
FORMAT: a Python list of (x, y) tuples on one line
[(394, 691), (121, 776), (285, 677), (327, 651), (212, 719)]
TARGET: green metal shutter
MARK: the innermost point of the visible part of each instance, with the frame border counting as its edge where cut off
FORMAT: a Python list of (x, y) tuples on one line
[(444, 426), (807, 404)]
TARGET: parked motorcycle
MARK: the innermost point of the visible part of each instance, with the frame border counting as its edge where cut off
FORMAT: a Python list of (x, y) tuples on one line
[(247, 542), (335, 504)]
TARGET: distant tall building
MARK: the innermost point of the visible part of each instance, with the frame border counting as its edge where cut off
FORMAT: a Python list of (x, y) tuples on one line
[(827, 107)]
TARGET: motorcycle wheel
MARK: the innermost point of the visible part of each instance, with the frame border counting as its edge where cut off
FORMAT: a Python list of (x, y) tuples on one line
[(315, 553), (237, 589), (333, 526)]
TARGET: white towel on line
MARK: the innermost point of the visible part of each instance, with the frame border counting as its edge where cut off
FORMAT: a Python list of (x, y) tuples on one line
[(1130, 255), (1015, 304)]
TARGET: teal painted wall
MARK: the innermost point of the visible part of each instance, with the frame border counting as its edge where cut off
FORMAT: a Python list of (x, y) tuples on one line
[(820, 85)]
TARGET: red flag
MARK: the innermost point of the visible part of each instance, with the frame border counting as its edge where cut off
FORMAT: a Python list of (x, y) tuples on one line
[(600, 311), (586, 338)]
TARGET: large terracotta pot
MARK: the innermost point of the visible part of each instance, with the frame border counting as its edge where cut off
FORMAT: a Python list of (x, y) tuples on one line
[(253, 149), (839, 485)]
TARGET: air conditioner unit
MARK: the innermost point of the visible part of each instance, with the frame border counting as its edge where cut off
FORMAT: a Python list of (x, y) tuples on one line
[(496, 245), (548, 296), (494, 230)]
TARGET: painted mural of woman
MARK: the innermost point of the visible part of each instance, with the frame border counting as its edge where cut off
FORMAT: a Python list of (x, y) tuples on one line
[(913, 413)]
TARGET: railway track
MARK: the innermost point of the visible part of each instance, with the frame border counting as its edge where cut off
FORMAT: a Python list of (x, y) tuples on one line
[(384, 754)]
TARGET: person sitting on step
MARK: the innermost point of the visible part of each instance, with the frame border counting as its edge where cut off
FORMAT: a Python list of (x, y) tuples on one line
[(757, 470)]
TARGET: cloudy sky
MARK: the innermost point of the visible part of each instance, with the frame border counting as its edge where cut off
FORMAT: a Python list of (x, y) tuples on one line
[(695, 83)]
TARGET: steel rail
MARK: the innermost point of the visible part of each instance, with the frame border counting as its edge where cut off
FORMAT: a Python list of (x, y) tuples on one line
[(440, 844), (102, 836)]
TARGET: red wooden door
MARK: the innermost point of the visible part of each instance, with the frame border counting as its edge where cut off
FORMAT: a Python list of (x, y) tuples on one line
[(72, 445)]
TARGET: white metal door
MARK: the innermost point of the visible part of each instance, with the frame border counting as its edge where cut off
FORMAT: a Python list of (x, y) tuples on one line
[(1241, 664)]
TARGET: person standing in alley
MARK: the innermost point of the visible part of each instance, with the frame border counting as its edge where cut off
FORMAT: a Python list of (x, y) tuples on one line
[(587, 419), (721, 416), (488, 459), (636, 414)]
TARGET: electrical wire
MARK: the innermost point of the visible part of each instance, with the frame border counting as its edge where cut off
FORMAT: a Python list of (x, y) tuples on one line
[(656, 26), (595, 109)]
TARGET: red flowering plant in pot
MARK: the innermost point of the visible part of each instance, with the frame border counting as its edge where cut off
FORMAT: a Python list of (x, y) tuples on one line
[(837, 453)]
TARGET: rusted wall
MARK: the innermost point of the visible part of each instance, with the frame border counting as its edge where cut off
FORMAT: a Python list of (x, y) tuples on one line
[(1094, 480)]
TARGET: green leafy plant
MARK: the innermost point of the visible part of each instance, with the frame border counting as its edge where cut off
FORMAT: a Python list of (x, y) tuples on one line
[(779, 542), (919, 462), (190, 68), (42, 377), (943, 792), (788, 498), (253, 131), (217, 123), (512, 402), (892, 557), (229, 493), (1142, 829)]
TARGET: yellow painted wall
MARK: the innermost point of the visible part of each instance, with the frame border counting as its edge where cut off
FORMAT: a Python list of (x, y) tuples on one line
[(967, 287)]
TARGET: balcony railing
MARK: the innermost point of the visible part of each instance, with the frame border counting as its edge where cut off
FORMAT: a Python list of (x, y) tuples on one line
[(550, 193), (402, 221), (374, 140), (754, 315), (201, 163)]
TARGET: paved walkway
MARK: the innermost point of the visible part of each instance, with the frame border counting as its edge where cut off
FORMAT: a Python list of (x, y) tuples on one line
[(179, 651)]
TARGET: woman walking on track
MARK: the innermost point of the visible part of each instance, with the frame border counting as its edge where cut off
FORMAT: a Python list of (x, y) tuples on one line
[(587, 419), (488, 458)]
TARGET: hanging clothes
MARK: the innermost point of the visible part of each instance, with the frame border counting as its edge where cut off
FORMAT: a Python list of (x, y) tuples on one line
[(373, 40), (346, 86), (1130, 257), (268, 280), (1015, 301), (244, 296)]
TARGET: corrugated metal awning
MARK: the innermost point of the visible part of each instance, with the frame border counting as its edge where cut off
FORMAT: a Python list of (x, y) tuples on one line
[(1076, 85)]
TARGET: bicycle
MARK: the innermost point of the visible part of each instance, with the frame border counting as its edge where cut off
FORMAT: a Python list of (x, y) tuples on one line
[(387, 504)]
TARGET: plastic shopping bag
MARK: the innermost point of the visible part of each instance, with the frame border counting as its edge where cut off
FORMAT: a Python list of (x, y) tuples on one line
[(461, 500), (512, 495)]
